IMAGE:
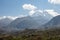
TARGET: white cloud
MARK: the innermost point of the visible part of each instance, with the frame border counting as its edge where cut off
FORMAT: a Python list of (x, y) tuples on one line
[(33, 9), (29, 7), (52, 12), (13, 17), (54, 1), (41, 11), (10, 17), (20, 16), (31, 12)]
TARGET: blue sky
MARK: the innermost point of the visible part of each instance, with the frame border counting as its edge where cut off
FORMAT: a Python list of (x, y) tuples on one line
[(14, 7)]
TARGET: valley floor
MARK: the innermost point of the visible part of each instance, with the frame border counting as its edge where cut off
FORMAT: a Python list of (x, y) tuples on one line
[(31, 34)]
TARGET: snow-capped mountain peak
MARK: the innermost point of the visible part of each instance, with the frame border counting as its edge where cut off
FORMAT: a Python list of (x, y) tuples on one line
[(9, 17)]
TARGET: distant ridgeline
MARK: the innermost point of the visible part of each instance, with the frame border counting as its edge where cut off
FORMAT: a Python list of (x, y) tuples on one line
[(29, 22)]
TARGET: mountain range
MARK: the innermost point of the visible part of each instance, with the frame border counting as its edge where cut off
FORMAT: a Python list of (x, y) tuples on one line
[(31, 22)]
